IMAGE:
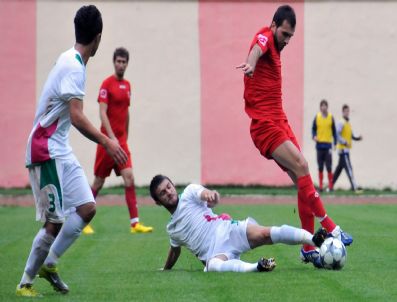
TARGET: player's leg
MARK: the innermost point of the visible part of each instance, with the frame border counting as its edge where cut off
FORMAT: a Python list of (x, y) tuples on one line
[(221, 263), (260, 235), (80, 204), (339, 168), (46, 189), (97, 185), (328, 165), (289, 156), (349, 170), (320, 162), (130, 197)]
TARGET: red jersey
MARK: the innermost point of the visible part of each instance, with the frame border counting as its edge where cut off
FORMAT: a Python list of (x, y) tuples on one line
[(116, 94), (262, 91)]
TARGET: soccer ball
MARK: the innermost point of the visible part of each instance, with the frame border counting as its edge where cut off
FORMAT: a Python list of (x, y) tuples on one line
[(333, 254)]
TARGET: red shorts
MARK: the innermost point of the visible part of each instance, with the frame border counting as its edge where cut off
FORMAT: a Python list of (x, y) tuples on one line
[(267, 135), (104, 164)]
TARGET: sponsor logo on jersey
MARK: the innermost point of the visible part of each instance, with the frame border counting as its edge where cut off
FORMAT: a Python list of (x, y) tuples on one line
[(103, 93), (262, 39), (122, 86)]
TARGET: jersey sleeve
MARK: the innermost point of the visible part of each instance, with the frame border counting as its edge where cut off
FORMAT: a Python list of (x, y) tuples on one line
[(103, 96), (193, 193), (72, 86), (262, 40)]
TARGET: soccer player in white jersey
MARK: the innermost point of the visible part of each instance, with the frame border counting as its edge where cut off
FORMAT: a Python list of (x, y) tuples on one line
[(58, 182), (216, 241)]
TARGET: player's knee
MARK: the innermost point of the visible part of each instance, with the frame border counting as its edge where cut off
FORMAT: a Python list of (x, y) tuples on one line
[(87, 211), (129, 181), (302, 167)]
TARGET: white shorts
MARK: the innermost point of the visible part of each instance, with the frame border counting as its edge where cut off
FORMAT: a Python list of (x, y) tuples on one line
[(59, 186), (230, 239)]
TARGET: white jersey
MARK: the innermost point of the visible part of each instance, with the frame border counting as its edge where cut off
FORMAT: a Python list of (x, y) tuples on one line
[(49, 138), (193, 224)]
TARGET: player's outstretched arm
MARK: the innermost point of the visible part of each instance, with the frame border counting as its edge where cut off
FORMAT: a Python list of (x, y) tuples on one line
[(172, 258), (253, 57), (81, 122), (211, 197), (103, 109)]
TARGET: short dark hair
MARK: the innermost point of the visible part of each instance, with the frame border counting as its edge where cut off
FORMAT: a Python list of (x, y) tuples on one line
[(87, 24), (323, 102), (156, 181), (345, 107), (121, 52), (284, 12)]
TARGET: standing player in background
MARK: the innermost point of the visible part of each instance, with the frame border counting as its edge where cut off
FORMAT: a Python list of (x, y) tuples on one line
[(270, 130), (114, 100), (345, 139), (324, 134), (57, 179)]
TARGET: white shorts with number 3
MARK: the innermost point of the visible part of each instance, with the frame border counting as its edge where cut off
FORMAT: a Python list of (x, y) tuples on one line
[(58, 186)]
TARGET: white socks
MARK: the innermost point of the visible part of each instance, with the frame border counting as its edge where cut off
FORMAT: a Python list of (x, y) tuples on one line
[(38, 253), (290, 235), (70, 231), (234, 265)]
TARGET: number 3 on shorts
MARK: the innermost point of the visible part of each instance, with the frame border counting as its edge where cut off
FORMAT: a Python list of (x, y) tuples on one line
[(51, 198)]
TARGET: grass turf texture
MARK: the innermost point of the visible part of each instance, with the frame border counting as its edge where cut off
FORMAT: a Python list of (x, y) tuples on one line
[(223, 190), (113, 265)]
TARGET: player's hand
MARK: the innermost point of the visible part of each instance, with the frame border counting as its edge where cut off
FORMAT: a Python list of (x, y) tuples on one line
[(315, 138), (113, 148), (246, 68), (211, 197)]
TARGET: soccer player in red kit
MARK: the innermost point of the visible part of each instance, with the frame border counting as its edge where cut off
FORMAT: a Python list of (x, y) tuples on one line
[(114, 100), (270, 130)]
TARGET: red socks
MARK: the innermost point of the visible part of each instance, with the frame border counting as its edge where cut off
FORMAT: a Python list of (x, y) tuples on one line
[(330, 181), (320, 180), (130, 198), (307, 220), (311, 198)]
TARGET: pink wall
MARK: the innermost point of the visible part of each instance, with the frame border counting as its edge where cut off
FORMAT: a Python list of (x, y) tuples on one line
[(17, 87), (226, 30)]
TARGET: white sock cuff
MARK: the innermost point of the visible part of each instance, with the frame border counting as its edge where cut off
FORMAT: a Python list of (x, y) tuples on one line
[(321, 219)]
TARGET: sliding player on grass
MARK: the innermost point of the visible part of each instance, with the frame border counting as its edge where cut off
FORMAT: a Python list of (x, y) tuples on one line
[(216, 240), (270, 130)]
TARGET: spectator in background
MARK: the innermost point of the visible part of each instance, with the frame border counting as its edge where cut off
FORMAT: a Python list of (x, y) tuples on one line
[(324, 134), (345, 139)]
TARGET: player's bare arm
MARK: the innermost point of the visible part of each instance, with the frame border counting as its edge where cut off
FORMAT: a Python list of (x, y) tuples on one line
[(211, 197), (81, 122), (249, 67), (103, 108), (172, 258)]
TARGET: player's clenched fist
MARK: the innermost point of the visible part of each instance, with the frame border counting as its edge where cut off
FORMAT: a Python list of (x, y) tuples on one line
[(211, 197)]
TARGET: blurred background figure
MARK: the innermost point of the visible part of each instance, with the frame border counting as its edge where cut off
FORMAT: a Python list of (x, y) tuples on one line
[(114, 101), (324, 134), (345, 139)]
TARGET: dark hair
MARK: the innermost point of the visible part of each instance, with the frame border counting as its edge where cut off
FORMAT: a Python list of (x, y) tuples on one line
[(323, 102), (345, 107), (121, 52), (156, 181), (284, 12), (87, 24)]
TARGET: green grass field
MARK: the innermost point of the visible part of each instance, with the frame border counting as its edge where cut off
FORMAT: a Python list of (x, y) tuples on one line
[(113, 265)]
